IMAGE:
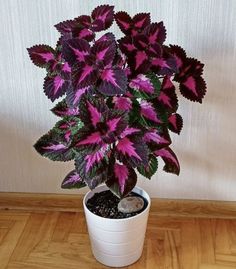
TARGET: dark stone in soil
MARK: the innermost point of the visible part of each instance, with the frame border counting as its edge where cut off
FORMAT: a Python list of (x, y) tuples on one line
[(105, 204)]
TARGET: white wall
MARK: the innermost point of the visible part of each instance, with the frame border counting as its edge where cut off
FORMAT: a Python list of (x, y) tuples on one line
[(207, 146)]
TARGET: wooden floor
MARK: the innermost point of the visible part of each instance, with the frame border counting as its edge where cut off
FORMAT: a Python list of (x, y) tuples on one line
[(56, 240)]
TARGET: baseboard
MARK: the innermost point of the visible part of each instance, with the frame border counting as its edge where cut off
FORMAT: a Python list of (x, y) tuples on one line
[(162, 207)]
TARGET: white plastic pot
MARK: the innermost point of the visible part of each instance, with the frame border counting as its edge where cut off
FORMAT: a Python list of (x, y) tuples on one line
[(117, 242)]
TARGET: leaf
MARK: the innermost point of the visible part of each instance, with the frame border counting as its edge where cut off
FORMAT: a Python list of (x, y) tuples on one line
[(83, 33), (54, 147), (132, 150), (41, 55), (179, 54), (103, 17), (75, 50), (124, 21), (93, 166), (73, 181), (61, 109), (139, 62), (113, 81), (193, 88), (132, 26), (122, 103), (104, 51), (55, 87), (73, 96), (149, 112), (175, 123), (168, 97), (91, 110), (65, 27), (84, 75), (155, 32), (170, 159), (157, 138), (126, 45), (149, 170), (145, 86), (122, 179)]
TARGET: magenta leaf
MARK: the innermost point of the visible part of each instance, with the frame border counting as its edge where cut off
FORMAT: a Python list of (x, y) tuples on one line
[(54, 146), (73, 181), (41, 55), (113, 81), (62, 109), (156, 33), (132, 26), (73, 96), (107, 37), (179, 54), (91, 110), (103, 17), (175, 123), (128, 131), (55, 87), (145, 86), (84, 75), (148, 111), (156, 138), (170, 159), (165, 65), (132, 150), (139, 62), (126, 45), (93, 166), (150, 169), (104, 51), (193, 88), (122, 179), (168, 97), (65, 27), (122, 103), (75, 50)]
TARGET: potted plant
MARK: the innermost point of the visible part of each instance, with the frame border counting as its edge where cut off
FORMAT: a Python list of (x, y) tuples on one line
[(120, 104)]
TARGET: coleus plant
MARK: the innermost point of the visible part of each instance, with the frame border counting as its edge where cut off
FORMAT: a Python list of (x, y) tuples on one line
[(120, 98)]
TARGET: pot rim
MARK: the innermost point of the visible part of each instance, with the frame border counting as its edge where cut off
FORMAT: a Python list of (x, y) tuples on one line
[(117, 220)]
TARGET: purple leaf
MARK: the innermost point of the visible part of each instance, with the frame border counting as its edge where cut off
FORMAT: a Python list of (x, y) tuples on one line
[(93, 166), (139, 62), (150, 169), (194, 88), (142, 83), (84, 75), (62, 110), (73, 180), (83, 33), (126, 45), (175, 123), (168, 97), (75, 50), (132, 26), (179, 54), (132, 150), (55, 87), (65, 27), (155, 32), (73, 96), (164, 66), (122, 103), (140, 21), (90, 139), (156, 138), (170, 159), (122, 179), (107, 37), (91, 110), (104, 51), (54, 146), (128, 131), (124, 21), (114, 81), (149, 112), (103, 17), (41, 55)]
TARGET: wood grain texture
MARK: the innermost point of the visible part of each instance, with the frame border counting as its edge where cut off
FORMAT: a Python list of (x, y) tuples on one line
[(207, 146), (160, 206), (59, 240)]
